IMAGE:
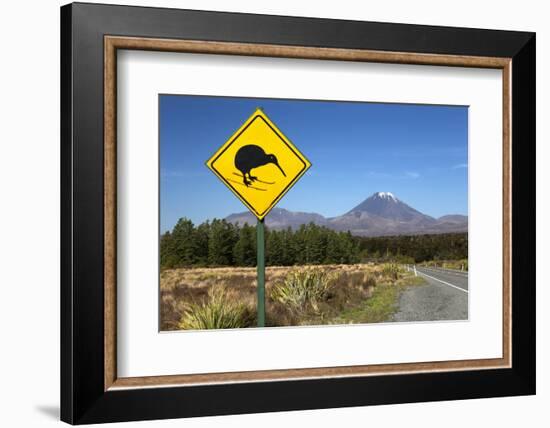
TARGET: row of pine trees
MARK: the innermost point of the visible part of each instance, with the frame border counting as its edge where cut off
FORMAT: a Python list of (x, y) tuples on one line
[(416, 248), (221, 243)]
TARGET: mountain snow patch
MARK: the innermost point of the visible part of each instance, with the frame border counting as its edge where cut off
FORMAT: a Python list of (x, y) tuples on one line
[(386, 195)]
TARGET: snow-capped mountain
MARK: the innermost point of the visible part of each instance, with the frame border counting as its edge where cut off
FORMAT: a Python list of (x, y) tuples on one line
[(379, 215), (386, 205), (383, 214)]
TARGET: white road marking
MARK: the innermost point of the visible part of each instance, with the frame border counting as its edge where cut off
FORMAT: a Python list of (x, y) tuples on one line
[(443, 282), (448, 272)]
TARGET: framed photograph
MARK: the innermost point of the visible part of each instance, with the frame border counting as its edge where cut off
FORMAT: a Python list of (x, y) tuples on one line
[(266, 213)]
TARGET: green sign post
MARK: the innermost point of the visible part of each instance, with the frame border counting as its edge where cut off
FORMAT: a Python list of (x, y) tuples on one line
[(260, 263)]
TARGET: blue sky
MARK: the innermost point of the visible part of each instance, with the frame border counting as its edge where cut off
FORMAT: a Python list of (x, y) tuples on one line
[(417, 152)]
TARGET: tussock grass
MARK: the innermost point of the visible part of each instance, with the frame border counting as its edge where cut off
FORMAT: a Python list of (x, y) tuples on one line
[(303, 288), (217, 312), (200, 298), (392, 270)]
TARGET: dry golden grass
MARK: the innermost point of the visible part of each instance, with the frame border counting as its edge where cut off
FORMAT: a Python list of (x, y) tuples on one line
[(351, 285), (448, 264)]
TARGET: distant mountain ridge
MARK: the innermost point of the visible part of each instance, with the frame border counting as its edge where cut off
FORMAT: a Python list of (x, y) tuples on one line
[(381, 214)]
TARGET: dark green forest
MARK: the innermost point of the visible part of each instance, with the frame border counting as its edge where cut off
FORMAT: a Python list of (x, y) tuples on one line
[(417, 248), (220, 243)]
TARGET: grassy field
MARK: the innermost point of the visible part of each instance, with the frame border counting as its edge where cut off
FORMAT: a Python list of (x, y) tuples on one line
[(199, 298), (448, 264)]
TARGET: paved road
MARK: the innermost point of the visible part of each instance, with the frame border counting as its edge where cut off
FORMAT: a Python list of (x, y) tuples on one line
[(443, 297)]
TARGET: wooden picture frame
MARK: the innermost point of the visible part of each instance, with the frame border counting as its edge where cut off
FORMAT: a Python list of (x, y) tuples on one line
[(91, 390)]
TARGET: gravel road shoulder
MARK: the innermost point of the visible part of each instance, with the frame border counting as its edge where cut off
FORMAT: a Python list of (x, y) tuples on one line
[(431, 302)]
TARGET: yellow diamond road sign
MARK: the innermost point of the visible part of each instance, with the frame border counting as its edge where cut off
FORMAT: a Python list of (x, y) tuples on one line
[(259, 164)]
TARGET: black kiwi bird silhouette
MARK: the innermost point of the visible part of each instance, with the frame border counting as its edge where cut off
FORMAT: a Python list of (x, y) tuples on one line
[(251, 156)]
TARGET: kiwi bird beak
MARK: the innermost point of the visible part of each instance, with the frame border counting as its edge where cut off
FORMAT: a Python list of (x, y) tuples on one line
[(279, 166)]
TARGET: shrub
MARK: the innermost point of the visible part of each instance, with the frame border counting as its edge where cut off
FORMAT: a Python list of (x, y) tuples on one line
[(369, 281), (216, 312), (303, 288), (391, 270)]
